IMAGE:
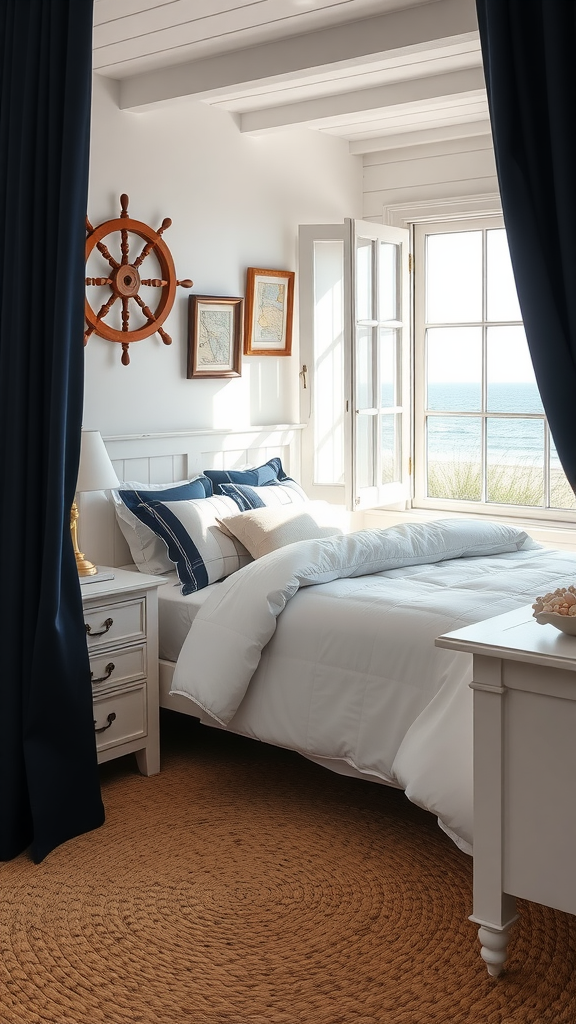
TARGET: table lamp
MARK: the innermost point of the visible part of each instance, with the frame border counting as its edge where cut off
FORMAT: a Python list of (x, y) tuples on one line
[(95, 473)]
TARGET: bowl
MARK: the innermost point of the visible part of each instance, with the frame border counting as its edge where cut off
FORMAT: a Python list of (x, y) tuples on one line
[(565, 623)]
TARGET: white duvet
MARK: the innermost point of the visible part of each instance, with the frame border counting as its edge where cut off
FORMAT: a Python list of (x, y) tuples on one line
[(327, 647)]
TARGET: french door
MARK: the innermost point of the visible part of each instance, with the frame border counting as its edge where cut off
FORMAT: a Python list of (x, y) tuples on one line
[(355, 365)]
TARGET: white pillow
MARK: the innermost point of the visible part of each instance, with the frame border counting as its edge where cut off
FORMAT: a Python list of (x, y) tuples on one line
[(148, 550), (196, 547), (262, 530)]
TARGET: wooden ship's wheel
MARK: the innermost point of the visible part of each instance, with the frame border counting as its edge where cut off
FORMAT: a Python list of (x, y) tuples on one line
[(124, 280)]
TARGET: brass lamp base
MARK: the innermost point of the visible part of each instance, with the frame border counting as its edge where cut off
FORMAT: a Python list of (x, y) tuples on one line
[(84, 566)]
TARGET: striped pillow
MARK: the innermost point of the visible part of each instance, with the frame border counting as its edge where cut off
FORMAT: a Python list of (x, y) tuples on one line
[(148, 552), (200, 551), (285, 493)]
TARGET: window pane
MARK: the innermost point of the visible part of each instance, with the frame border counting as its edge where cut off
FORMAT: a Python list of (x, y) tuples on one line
[(516, 442), (387, 285), (329, 362), (388, 341), (364, 389), (454, 277), (561, 494), (390, 434), (365, 450), (511, 384), (454, 369), (515, 457), (454, 457), (364, 304), (477, 363), (502, 300)]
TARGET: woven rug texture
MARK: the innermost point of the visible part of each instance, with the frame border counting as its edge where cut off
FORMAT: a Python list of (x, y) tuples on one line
[(246, 885)]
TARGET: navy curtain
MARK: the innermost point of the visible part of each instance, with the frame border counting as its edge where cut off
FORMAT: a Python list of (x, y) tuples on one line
[(49, 788), (528, 49)]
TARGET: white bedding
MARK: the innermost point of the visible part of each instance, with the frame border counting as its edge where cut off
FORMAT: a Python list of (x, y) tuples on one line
[(176, 613), (327, 647)]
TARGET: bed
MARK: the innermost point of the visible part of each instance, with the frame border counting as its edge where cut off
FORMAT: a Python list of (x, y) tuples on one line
[(326, 646)]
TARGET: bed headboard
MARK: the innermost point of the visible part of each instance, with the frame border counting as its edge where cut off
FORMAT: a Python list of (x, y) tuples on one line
[(164, 458)]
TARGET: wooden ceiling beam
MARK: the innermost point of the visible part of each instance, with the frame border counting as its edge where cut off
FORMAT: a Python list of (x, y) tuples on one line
[(353, 44)]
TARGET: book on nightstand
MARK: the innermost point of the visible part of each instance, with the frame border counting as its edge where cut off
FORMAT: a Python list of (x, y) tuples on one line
[(98, 577)]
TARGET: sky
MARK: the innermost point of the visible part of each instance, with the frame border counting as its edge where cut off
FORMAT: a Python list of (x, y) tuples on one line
[(454, 296)]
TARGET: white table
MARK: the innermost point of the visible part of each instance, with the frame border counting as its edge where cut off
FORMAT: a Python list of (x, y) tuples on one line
[(524, 682), (121, 619)]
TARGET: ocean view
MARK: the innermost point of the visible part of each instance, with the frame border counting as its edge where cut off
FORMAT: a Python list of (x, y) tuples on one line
[(515, 446), (509, 441)]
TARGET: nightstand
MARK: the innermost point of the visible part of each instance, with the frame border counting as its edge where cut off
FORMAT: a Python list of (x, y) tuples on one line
[(121, 618)]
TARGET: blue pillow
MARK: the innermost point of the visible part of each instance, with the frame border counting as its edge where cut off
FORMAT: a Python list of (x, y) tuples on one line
[(201, 487), (261, 476), (286, 492)]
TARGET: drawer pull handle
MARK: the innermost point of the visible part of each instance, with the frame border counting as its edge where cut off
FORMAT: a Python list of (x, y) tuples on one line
[(107, 623), (110, 719), (108, 670)]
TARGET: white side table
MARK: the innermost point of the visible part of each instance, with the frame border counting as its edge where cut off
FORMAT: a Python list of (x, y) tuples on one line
[(121, 617), (524, 682)]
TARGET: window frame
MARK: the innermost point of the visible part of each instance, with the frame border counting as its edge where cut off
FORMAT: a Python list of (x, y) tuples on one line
[(420, 499), (379, 493)]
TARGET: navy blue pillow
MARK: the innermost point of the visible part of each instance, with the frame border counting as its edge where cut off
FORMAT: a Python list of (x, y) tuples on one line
[(199, 488), (285, 492), (261, 476)]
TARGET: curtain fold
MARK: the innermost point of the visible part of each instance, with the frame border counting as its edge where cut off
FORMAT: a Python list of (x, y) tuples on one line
[(528, 49), (49, 786)]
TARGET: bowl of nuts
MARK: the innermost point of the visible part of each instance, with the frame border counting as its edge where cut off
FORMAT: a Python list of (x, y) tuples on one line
[(557, 609)]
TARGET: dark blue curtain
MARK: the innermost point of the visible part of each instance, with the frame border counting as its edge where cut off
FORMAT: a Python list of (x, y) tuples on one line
[(529, 54), (49, 788)]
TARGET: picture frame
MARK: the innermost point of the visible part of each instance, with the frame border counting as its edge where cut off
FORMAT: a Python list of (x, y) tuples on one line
[(269, 312), (215, 327)]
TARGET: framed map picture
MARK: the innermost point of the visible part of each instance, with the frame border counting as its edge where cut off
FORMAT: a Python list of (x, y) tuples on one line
[(269, 312), (214, 336)]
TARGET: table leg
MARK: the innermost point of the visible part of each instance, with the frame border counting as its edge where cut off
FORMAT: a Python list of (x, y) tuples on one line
[(494, 946)]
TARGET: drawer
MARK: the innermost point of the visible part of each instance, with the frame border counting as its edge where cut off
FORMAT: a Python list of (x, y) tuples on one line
[(120, 717), (112, 669), (115, 623)]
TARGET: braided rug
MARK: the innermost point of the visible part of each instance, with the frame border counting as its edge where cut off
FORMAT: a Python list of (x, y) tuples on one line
[(245, 885)]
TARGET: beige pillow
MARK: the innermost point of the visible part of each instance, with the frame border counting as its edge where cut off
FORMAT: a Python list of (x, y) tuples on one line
[(262, 530)]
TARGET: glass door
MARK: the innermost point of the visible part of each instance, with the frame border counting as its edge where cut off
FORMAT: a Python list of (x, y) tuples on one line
[(354, 344)]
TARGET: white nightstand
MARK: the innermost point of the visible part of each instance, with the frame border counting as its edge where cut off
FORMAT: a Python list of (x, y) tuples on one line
[(121, 617), (524, 682)]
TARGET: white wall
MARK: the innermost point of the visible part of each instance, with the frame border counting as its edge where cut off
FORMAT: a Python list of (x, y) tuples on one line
[(235, 201), (434, 171)]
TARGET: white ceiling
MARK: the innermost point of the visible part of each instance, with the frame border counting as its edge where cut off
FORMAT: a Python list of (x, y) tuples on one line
[(379, 73)]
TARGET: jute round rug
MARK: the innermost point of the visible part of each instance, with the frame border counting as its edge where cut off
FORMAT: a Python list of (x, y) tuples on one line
[(245, 885)]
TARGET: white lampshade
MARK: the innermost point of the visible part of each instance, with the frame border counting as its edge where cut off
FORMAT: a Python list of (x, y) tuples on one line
[(96, 472)]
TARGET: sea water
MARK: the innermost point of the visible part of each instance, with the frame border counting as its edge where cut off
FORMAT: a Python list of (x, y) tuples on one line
[(511, 441), (514, 441)]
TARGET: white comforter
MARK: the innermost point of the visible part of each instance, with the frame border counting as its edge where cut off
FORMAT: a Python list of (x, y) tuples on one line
[(348, 669)]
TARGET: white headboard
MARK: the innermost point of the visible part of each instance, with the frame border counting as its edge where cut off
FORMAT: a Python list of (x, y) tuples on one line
[(164, 458)]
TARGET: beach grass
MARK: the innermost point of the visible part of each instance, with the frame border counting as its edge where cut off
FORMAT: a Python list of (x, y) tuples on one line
[(506, 485)]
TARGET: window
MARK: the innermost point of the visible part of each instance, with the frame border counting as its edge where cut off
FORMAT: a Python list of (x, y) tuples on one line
[(437, 406), (481, 436)]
